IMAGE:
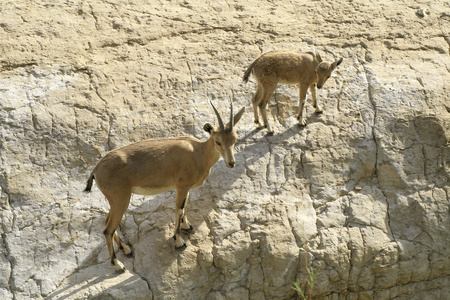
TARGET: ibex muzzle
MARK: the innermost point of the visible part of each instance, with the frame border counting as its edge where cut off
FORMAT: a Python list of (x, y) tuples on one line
[(225, 136)]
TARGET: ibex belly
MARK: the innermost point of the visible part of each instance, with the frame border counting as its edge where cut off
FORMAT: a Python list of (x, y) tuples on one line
[(288, 80), (139, 190), (290, 76)]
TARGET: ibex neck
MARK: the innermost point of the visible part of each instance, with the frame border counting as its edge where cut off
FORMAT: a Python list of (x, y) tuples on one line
[(213, 154)]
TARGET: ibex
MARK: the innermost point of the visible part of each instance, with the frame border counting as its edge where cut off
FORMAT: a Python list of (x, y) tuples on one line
[(155, 166), (284, 66)]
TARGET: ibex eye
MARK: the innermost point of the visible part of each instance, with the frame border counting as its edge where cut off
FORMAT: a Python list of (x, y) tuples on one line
[(218, 143)]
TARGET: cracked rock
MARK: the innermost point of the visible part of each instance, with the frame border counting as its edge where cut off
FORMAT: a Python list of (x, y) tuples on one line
[(360, 195)]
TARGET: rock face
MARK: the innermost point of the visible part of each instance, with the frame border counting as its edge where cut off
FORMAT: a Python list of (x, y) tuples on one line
[(360, 196)]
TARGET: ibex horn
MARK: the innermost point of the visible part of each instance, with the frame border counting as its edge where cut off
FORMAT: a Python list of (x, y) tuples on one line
[(231, 114), (222, 128)]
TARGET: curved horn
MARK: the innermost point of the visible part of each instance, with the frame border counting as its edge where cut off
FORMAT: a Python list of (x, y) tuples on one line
[(219, 119)]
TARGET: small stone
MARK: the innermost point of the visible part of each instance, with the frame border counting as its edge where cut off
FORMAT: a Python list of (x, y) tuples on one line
[(422, 12)]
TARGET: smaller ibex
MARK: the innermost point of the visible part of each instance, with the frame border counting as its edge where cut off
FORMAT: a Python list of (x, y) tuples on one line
[(155, 166), (291, 67)]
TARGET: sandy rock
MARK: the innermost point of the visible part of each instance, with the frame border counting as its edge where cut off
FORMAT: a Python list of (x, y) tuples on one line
[(360, 196)]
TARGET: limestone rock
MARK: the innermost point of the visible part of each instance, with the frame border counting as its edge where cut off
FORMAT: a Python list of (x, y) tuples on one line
[(360, 196)]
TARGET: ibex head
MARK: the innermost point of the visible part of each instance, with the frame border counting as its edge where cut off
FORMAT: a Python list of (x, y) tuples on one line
[(224, 136), (324, 69)]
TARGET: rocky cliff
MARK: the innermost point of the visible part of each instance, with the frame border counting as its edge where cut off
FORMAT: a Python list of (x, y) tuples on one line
[(360, 196)]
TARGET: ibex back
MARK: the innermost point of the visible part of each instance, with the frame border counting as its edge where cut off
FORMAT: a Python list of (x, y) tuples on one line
[(284, 66), (158, 165)]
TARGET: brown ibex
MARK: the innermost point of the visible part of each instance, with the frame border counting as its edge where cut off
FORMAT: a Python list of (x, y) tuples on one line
[(155, 166), (291, 67)]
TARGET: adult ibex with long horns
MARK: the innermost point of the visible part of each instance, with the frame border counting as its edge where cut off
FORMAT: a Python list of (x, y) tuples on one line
[(291, 67), (155, 166)]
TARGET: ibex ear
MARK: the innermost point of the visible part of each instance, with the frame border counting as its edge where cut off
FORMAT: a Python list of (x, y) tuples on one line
[(337, 63), (208, 128), (238, 116), (319, 59)]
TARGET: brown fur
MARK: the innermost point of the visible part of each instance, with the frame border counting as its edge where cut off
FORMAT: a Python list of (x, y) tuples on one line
[(290, 67), (155, 166)]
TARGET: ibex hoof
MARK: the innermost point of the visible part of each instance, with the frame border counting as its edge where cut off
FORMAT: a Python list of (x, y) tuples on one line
[(258, 125), (126, 250), (303, 125), (118, 266), (181, 248), (319, 112), (129, 254), (270, 133), (187, 231)]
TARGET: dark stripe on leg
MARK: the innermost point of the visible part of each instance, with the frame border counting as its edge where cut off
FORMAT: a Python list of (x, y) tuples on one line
[(113, 257), (182, 205)]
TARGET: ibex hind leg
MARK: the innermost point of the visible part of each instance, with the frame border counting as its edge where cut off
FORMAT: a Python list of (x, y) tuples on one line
[(118, 206), (118, 266), (266, 95), (255, 102), (122, 246)]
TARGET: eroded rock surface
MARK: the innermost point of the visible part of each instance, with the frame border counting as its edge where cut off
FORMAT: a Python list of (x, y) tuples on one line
[(361, 195)]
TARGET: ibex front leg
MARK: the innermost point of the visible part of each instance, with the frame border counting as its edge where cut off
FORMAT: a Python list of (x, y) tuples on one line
[(180, 218), (186, 227), (301, 104), (316, 106)]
